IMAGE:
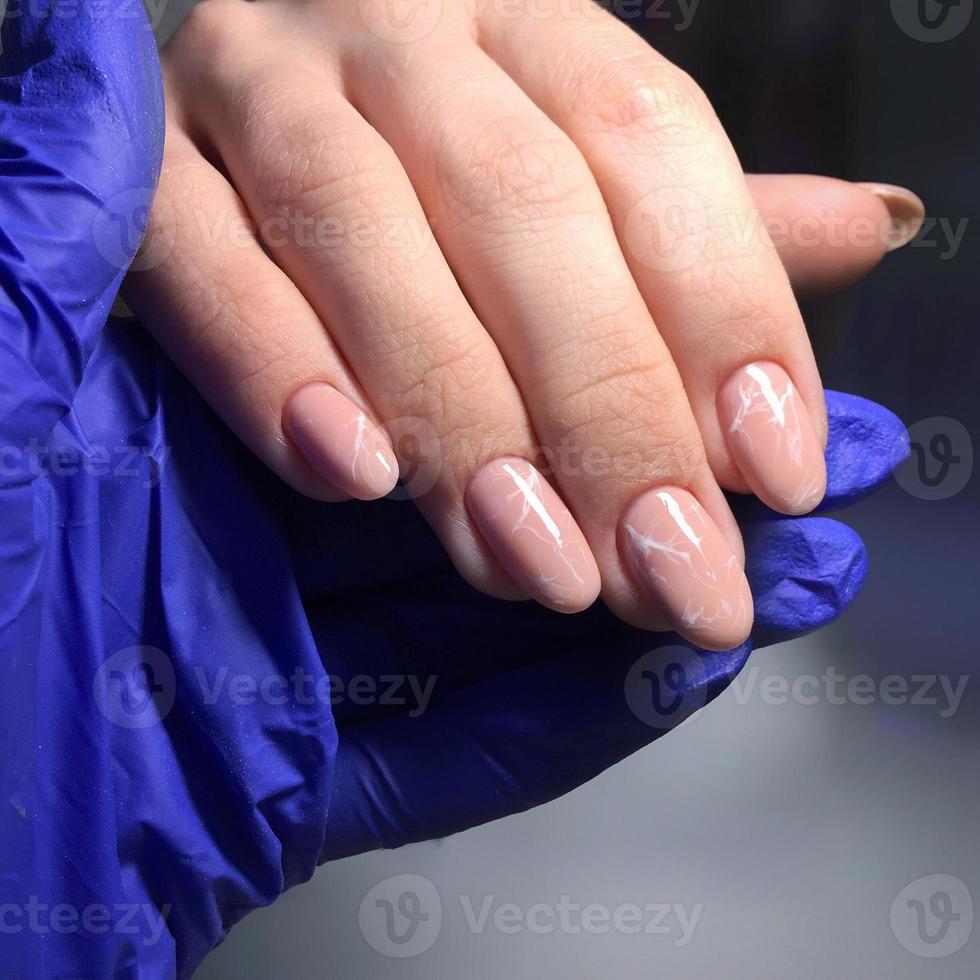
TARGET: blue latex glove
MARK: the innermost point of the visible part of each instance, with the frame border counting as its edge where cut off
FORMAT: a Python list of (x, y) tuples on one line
[(147, 560)]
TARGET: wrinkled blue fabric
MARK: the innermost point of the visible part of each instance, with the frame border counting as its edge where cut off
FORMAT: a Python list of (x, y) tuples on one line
[(146, 558)]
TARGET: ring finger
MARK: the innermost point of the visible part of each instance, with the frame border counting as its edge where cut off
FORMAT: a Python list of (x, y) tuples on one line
[(693, 238)]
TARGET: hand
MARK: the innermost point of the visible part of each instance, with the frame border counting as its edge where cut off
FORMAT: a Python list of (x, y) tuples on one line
[(512, 257)]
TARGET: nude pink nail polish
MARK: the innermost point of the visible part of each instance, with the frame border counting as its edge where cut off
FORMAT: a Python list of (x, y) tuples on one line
[(679, 555), (772, 439), (340, 442), (533, 534), (905, 208)]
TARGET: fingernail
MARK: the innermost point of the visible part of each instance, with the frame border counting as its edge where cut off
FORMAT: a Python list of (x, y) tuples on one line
[(340, 442), (533, 534), (906, 209), (771, 437), (681, 557)]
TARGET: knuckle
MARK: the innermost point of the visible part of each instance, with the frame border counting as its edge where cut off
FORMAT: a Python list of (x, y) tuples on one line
[(219, 329), (638, 95), (448, 394), (311, 159), (222, 332), (625, 388), (635, 415), (436, 366), (742, 334), (178, 219), (514, 167), (604, 325), (203, 25), (209, 28), (742, 308)]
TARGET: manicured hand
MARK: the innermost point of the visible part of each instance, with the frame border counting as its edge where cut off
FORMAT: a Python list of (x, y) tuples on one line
[(508, 254)]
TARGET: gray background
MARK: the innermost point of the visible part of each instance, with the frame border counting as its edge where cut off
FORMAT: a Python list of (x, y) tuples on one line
[(794, 825)]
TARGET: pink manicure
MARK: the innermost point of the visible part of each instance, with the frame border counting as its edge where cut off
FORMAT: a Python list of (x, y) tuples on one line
[(533, 534), (339, 441), (681, 557), (772, 439)]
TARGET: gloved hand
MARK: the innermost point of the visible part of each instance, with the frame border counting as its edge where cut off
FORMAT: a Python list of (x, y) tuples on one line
[(505, 707), (81, 141), (171, 612)]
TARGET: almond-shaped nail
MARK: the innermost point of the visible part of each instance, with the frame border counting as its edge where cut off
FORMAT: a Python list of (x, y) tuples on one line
[(533, 534), (772, 439), (679, 555), (905, 208), (340, 442)]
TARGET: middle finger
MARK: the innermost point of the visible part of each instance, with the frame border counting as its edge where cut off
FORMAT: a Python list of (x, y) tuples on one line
[(523, 225)]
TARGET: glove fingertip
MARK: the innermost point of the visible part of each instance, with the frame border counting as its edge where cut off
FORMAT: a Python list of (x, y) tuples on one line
[(867, 442), (804, 574)]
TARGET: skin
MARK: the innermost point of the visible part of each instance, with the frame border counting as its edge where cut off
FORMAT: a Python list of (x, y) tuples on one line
[(488, 285)]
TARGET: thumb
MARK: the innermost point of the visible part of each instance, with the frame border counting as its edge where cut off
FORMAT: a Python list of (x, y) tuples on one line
[(831, 233)]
